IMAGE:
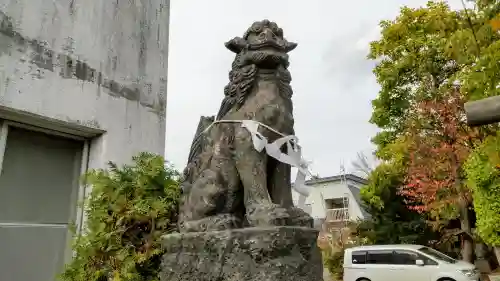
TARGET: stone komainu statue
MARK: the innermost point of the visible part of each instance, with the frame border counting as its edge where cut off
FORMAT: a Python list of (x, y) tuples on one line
[(237, 220), (228, 183)]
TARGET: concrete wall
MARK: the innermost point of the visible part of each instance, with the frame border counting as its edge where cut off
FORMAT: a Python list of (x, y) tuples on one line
[(332, 189), (93, 63)]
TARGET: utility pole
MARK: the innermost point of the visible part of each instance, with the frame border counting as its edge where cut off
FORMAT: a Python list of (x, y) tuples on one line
[(345, 203)]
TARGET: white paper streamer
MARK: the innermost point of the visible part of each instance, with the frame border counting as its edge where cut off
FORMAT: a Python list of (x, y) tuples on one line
[(293, 157)]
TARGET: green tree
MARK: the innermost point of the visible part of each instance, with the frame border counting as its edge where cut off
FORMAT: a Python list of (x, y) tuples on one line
[(483, 173), (423, 52), (478, 51), (128, 210), (391, 221), (422, 55), (412, 64)]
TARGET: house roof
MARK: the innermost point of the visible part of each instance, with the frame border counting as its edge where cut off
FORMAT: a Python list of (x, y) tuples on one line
[(350, 177), (357, 197)]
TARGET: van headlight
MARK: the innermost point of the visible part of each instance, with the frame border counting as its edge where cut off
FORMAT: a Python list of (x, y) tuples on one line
[(468, 272)]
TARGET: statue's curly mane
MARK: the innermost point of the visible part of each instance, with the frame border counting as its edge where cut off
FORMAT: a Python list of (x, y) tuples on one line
[(242, 78)]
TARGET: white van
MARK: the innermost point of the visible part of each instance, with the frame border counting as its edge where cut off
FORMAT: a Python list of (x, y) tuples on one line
[(404, 263)]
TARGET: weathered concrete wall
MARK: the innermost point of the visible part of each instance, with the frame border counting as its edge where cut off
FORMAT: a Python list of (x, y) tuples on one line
[(97, 63)]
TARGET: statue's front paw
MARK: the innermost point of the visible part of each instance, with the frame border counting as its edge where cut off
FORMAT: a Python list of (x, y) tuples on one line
[(211, 223), (267, 215), (299, 217)]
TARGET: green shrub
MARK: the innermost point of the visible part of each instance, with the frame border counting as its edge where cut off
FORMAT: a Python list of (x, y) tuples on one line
[(333, 260), (483, 177), (128, 210), (333, 254)]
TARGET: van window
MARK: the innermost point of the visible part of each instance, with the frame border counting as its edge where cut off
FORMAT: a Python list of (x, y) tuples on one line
[(428, 261), (358, 257), (380, 257), (409, 257), (438, 255), (405, 257)]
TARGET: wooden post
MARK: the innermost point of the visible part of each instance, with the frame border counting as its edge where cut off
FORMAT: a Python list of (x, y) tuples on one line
[(483, 112)]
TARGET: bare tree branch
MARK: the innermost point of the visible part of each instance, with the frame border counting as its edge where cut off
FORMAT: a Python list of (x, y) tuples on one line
[(364, 164)]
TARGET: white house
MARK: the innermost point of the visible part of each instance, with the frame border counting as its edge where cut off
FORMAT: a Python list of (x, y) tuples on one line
[(334, 200), (81, 83)]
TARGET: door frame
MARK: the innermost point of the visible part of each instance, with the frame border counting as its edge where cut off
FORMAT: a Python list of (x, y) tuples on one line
[(79, 187)]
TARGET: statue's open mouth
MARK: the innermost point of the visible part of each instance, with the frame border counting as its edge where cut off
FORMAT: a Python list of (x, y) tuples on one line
[(268, 54), (269, 45), (267, 58)]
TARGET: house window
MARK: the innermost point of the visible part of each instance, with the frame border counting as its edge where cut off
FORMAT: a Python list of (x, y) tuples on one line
[(39, 184), (337, 203)]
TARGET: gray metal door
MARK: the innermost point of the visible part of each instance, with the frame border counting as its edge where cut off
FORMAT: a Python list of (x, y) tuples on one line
[(38, 191)]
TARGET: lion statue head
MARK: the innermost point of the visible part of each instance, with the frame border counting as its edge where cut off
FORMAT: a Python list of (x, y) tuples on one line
[(263, 45), (261, 49)]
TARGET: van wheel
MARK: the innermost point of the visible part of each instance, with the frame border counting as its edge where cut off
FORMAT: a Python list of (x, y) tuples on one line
[(362, 279), (446, 279)]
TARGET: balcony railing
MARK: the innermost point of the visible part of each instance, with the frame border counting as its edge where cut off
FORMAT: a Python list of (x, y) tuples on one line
[(340, 214)]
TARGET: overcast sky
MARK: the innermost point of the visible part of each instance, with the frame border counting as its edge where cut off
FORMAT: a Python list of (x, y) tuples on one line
[(332, 80)]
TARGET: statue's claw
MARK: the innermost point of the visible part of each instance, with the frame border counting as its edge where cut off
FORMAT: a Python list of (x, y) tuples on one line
[(267, 215)]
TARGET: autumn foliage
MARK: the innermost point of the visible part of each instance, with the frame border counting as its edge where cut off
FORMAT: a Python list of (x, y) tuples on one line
[(429, 61), (441, 143)]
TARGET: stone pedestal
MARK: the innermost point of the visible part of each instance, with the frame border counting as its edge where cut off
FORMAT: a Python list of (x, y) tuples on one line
[(248, 254)]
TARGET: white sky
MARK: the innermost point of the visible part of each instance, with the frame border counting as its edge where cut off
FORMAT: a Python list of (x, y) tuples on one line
[(332, 81)]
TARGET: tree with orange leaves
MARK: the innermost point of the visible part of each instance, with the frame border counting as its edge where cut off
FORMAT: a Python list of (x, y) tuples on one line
[(440, 144)]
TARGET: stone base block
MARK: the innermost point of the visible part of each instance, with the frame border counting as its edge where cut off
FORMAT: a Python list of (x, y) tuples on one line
[(247, 254)]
